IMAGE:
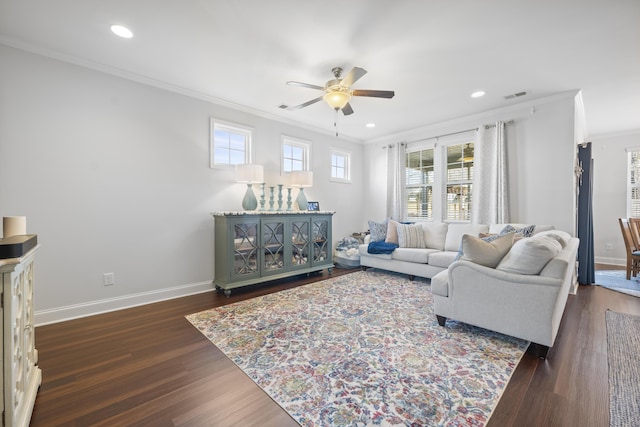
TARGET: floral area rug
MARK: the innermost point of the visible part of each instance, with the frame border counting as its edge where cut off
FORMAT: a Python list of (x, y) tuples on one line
[(364, 349)]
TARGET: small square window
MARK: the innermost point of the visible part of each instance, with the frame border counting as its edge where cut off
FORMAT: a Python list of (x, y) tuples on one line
[(295, 155), (340, 166), (230, 144)]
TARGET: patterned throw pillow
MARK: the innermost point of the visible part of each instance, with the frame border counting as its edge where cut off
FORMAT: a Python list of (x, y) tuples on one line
[(410, 236), (525, 231), (378, 230)]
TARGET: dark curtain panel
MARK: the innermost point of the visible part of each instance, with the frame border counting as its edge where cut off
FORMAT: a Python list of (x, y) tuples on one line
[(586, 265)]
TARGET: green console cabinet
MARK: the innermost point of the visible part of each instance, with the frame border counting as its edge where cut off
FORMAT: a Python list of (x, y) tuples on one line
[(254, 247)]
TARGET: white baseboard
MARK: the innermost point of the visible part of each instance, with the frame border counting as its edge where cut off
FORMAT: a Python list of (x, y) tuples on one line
[(55, 315), (610, 261)]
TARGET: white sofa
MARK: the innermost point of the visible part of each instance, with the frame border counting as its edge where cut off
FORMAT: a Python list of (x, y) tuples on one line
[(443, 244), (526, 306)]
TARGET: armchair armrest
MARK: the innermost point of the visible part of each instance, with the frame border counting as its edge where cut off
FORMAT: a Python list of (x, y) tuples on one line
[(480, 271)]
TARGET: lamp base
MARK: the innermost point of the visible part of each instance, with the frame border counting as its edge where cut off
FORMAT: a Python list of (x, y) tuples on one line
[(249, 202), (301, 200)]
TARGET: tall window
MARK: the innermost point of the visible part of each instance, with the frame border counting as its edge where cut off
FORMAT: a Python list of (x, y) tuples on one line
[(459, 182), (340, 166), (633, 183), (439, 181), (419, 180), (230, 144), (295, 154)]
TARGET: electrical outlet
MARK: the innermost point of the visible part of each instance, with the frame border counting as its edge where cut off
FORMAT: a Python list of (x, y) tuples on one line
[(108, 279), (608, 247)]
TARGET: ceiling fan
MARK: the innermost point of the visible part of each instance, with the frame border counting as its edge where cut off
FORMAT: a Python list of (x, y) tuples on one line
[(338, 91)]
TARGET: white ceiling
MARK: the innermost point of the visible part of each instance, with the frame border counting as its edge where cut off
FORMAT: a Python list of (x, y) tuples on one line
[(432, 53)]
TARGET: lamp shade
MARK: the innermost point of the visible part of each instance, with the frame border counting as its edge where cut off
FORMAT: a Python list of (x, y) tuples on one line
[(337, 100), (249, 173), (301, 178)]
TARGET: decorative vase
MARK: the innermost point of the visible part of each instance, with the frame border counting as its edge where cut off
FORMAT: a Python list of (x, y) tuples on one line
[(262, 198), (302, 200), (279, 197), (249, 202), (288, 199)]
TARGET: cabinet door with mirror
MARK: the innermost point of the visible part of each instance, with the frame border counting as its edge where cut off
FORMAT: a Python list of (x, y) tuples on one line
[(245, 249), (273, 246), (300, 243)]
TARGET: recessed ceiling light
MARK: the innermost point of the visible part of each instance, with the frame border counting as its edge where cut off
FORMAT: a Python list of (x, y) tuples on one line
[(121, 31), (477, 94), (370, 125)]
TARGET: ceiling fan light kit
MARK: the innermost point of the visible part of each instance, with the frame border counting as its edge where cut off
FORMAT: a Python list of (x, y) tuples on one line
[(338, 91)]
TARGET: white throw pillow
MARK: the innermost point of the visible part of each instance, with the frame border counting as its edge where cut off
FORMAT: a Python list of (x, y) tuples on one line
[(410, 236), (485, 252), (530, 255)]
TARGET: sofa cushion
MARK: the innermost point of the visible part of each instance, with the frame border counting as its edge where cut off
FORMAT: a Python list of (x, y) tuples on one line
[(378, 230), (529, 256), (440, 284), (435, 234), (410, 236), (442, 259), (456, 231), (412, 255), (488, 252)]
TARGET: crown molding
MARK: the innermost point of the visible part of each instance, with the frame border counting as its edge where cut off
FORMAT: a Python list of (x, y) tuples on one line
[(505, 111), (160, 84)]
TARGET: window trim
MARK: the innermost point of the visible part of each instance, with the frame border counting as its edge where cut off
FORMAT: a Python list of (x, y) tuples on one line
[(296, 142), (347, 168), (246, 131)]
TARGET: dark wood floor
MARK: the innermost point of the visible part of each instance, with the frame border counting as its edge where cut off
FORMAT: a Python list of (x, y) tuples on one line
[(148, 366)]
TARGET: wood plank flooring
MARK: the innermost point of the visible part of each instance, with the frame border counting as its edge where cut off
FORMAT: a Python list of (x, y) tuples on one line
[(147, 366)]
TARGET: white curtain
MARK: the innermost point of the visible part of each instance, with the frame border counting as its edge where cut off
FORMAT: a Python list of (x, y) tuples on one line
[(490, 192), (396, 207)]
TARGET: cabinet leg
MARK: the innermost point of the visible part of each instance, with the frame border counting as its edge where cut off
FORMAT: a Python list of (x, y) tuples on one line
[(329, 270), (227, 292)]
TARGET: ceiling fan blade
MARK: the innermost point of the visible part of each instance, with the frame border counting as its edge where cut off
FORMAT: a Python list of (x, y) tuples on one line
[(353, 76), (346, 110), (306, 104), (308, 85), (373, 93)]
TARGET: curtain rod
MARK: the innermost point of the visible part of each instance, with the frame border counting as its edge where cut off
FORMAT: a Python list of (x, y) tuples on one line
[(510, 122)]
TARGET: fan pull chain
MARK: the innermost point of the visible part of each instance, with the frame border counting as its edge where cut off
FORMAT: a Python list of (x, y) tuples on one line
[(335, 122)]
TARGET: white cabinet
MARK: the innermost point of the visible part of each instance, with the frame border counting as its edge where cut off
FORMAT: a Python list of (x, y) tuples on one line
[(21, 375)]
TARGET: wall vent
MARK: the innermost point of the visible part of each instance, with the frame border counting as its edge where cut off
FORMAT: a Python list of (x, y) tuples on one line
[(515, 95)]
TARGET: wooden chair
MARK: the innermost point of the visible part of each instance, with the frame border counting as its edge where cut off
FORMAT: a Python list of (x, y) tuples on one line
[(634, 225), (633, 252)]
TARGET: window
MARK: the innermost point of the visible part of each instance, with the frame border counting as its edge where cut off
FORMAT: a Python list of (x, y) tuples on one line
[(419, 180), (439, 181), (230, 144), (295, 154), (340, 166), (633, 183), (459, 182)]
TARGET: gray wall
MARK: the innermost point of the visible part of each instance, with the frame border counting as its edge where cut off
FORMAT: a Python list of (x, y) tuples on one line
[(610, 194), (541, 150), (114, 176)]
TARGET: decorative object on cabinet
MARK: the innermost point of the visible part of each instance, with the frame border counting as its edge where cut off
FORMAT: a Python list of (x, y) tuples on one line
[(21, 376), (252, 248), (249, 174), (301, 179), (313, 206)]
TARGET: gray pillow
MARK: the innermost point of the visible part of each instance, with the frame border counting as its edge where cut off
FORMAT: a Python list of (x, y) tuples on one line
[(529, 256), (483, 252), (410, 236)]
